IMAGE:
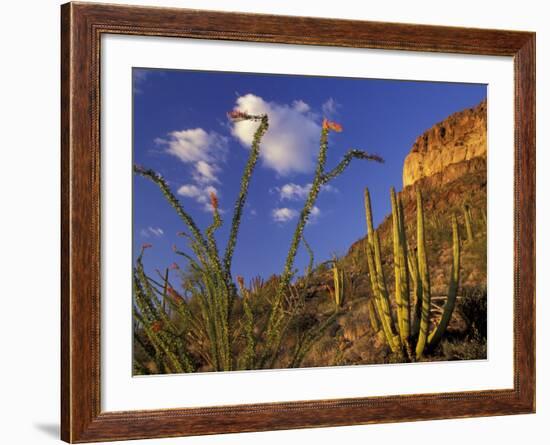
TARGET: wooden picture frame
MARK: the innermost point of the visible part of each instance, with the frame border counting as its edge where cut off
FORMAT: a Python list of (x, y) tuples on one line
[(82, 26)]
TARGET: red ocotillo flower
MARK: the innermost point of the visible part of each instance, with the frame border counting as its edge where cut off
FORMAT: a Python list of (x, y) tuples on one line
[(330, 125), (240, 281), (146, 246), (174, 266), (156, 326), (237, 115), (214, 201), (176, 297), (376, 158)]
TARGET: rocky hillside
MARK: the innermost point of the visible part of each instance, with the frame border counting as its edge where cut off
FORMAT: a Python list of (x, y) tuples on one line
[(448, 163)]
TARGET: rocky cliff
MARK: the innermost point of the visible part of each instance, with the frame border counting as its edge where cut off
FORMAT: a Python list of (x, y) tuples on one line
[(454, 141)]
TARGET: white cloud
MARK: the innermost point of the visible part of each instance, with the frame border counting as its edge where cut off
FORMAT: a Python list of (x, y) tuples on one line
[(195, 145), (296, 192), (200, 195), (139, 78), (204, 152), (314, 215), (189, 191), (330, 107), (291, 143), (284, 214), (293, 192), (205, 173), (301, 106), (152, 231)]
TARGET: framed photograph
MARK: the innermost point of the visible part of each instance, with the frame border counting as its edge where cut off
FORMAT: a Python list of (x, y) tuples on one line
[(275, 222)]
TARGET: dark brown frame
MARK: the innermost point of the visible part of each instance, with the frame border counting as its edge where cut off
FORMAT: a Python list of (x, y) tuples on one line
[(81, 27)]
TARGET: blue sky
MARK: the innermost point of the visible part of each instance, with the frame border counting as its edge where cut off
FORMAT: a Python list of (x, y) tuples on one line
[(181, 131)]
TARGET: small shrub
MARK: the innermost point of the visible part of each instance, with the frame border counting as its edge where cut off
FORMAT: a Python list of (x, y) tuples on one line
[(473, 308)]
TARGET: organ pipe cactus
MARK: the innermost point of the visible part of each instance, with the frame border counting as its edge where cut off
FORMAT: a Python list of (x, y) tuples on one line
[(411, 277), (468, 222), (338, 280)]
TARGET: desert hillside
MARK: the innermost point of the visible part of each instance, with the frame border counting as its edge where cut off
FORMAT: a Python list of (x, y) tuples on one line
[(448, 163), (330, 316)]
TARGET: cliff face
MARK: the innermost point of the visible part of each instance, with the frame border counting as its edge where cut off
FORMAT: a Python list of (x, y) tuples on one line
[(456, 140), (449, 164)]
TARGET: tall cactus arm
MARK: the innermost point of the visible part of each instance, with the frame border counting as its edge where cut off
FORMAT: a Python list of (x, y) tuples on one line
[(382, 309), (424, 278), (400, 271), (437, 334), (468, 222), (417, 289), (336, 280), (378, 281), (404, 269), (396, 262), (373, 316), (368, 217)]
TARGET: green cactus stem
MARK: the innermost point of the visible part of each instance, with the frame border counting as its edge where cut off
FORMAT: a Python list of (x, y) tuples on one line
[(338, 279), (438, 332), (468, 222), (376, 274), (417, 292), (424, 277), (400, 269), (373, 317)]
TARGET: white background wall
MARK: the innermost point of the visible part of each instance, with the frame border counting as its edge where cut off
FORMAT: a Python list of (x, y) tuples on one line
[(29, 218)]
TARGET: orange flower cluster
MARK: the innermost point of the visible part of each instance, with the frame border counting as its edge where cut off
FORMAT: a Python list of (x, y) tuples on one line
[(214, 200), (156, 326), (333, 126), (176, 298), (237, 115), (240, 281)]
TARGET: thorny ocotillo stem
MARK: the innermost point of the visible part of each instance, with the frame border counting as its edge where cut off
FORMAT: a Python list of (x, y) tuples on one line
[(320, 179), (245, 182), (310, 255), (348, 157), (187, 219), (274, 319)]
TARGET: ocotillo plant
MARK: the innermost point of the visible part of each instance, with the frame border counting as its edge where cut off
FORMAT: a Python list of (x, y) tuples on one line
[(408, 267), (321, 178), (215, 290), (208, 331)]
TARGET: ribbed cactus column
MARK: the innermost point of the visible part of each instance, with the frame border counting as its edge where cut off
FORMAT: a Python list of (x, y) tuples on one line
[(424, 276), (400, 269), (338, 279), (468, 222), (417, 292), (438, 332), (378, 282)]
